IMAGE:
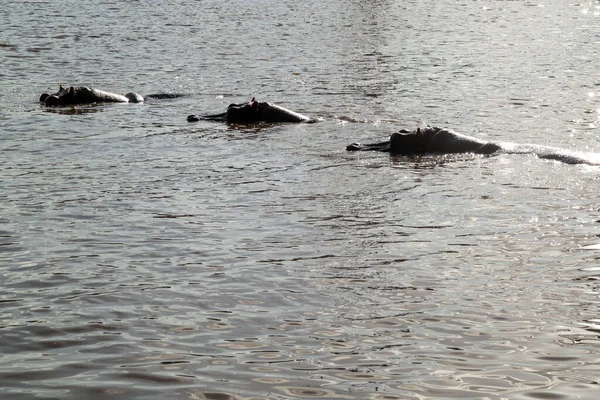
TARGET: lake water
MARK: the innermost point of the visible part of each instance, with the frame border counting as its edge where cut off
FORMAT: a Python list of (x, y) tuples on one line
[(144, 257)]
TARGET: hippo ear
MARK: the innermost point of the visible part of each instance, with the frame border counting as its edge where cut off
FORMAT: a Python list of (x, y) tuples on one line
[(418, 132), (70, 90), (254, 105), (60, 88)]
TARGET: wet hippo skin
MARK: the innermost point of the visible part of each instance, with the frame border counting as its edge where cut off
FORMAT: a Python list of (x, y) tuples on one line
[(253, 111)]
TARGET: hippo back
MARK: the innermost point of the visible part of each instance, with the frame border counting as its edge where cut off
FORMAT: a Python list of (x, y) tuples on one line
[(445, 141), (274, 113), (87, 95)]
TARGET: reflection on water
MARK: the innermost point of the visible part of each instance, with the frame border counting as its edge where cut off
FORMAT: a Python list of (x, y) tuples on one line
[(75, 110), (144, 257)]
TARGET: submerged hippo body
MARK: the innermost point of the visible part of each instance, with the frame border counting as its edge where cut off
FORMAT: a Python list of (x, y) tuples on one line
[(432, 140), (84, 95), (253, 111)]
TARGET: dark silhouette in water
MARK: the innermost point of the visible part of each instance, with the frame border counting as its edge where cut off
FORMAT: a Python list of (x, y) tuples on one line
[(442, 141), (84, 95), (253, 111)]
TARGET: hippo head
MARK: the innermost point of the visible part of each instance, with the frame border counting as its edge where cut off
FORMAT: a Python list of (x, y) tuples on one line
[(52, 99), (72, 95), (404, 142), (246, 112), (60, 98), (409, 142)]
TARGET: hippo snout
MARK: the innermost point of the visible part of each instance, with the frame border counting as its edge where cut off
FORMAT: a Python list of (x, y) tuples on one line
[(51, 100)]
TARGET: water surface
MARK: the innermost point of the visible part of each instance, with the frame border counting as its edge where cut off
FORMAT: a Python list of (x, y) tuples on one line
[(143, 257)]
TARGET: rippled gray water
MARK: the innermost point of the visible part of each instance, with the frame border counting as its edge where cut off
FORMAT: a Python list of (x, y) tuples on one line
[(143, 257)]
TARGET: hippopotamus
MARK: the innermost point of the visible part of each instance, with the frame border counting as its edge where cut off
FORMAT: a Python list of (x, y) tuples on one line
[(85, 95), (253, 111), (433, 140)]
